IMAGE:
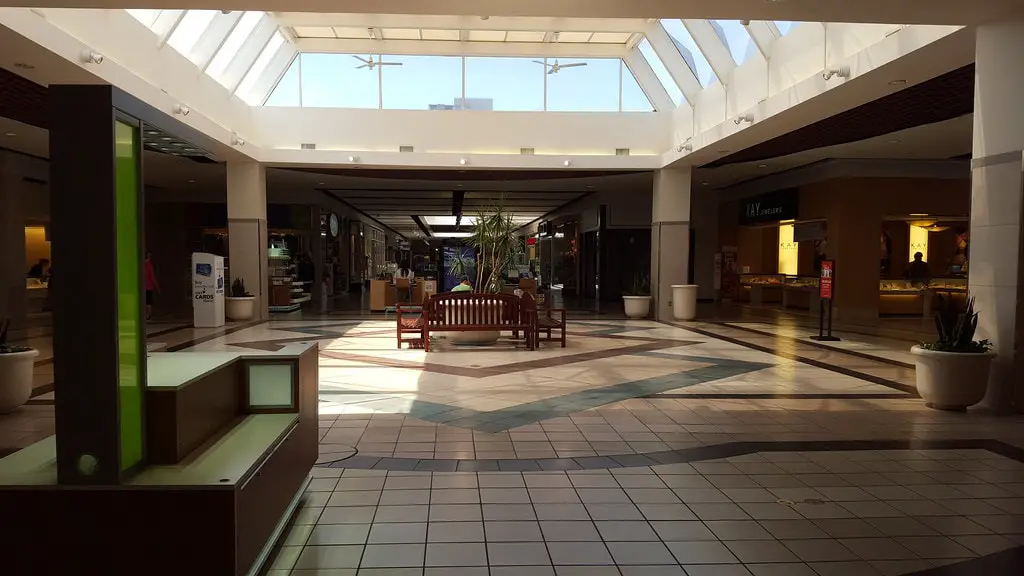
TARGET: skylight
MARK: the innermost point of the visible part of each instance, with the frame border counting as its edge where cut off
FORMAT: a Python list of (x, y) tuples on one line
[(234, 42), (661, 72), (188, 31), (690, 52)]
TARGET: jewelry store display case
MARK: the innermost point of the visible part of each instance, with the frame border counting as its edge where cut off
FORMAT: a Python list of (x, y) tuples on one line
[(901, 298), (801, 292), (760, 289)]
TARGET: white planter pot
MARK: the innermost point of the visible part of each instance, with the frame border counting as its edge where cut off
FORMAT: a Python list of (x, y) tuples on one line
[(951, 380), (240, 308), (16, 379), (684, 301), (637, 306)]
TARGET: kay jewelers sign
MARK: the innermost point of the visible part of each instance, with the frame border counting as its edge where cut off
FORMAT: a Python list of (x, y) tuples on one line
[(770, 207)]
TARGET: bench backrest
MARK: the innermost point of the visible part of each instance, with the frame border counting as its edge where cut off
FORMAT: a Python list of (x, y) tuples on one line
[(472, 309)]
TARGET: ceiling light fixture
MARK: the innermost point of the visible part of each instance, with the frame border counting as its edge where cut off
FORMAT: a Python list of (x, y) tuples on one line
[(463, 161), (24, 66), (237, 140), (842, 72), (91, 57), (762, 165), (191, 181), (353, 158), (748, 118), (567, 163), (894, 141), (181, 109), (10, 134), (686, 147), (899, 82)]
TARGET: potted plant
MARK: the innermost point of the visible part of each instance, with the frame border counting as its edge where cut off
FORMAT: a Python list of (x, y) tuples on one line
[(497, 246), (952, 373), (16, 368), (637, 298), (241, 304)]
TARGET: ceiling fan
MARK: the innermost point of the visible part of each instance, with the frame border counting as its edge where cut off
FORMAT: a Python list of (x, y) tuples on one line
[(370, 63), (554, 68)]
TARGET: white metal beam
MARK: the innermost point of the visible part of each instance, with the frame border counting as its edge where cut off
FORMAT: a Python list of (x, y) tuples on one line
[(449, 48), (714, 49), (764, 35), (648, 81), (213, 37), (248, 53), (677, 67), (276, 70), (434, 22)]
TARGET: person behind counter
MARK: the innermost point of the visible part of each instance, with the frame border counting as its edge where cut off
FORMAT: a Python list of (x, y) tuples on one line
[(463, 285), (39, 270), (404, 273), (917, 271)]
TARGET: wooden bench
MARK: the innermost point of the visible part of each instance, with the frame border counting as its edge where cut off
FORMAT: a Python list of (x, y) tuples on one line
[(466, 312), (546, 319)]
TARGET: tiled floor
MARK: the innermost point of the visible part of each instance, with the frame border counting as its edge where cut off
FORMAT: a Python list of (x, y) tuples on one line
[(859, 512), (732, 447)]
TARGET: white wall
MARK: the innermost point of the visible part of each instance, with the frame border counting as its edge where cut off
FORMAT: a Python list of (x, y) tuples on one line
[(462, 131)]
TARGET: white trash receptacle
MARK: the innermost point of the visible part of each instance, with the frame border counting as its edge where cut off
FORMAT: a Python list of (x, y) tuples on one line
[(684, 301)]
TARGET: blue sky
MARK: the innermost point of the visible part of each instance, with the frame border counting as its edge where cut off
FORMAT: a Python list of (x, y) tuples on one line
[(335, 80)]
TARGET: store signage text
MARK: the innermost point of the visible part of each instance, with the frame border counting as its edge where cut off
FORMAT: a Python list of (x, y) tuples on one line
[(826, 279), (771, 207)]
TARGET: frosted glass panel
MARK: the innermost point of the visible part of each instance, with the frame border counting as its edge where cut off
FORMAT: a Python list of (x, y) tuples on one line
[(271, 386)]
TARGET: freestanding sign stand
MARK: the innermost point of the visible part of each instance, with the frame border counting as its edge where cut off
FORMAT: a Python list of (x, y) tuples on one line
[(207, 290), (826, 291)]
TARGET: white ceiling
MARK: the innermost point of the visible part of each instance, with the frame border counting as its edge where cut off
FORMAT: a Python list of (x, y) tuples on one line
[(882, 11)]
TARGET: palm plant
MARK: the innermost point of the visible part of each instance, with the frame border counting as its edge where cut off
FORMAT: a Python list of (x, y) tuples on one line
[(497, 249)]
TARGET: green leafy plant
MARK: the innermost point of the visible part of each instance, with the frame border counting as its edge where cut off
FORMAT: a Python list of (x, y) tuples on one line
[(641, 286), (238, 289), (6, 348), (497, 247), (956, 329)]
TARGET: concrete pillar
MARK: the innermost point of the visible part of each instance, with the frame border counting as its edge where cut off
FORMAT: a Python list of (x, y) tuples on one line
[(247, 230), (997, 187), (704, 221), (13, 298), (670, 237)]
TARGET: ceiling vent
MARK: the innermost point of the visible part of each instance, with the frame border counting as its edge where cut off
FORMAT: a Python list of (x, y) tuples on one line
[(405, 149), (309, 146), (622, 151), (526, 151)]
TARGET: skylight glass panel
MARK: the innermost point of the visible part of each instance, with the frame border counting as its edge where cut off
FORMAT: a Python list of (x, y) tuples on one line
[(246, 24), (647, 51), (313, 32), (341, 80), (524, 36), (610, 37), (735, 37), (401, 33), (448, 35), (510, 83), (487, 35), (347, 32), (690, 52), (260, 66), (574, 37), (784, 26), (590, 85), (147, 17), (190, 29), (421, 82), (634, 99), (286, 93)]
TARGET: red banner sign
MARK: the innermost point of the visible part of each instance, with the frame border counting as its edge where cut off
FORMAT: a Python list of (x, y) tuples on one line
[(825, 280)]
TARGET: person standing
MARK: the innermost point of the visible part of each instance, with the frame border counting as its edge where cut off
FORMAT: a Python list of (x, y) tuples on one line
[(151, 285)]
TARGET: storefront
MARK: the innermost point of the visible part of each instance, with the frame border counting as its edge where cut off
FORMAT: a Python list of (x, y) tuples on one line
[(871, 228)]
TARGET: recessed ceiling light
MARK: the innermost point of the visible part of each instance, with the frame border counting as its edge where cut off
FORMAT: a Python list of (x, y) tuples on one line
[(703, 183), (723, 151), (319, 183), (762, 165), (24, 66), (897, 82), (567, 163), (894, 141), (191, 181), (10, 134), (166, 138), (463, 161)]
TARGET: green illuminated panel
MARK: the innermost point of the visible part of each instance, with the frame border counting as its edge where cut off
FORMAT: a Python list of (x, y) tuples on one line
[(129, 309)]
